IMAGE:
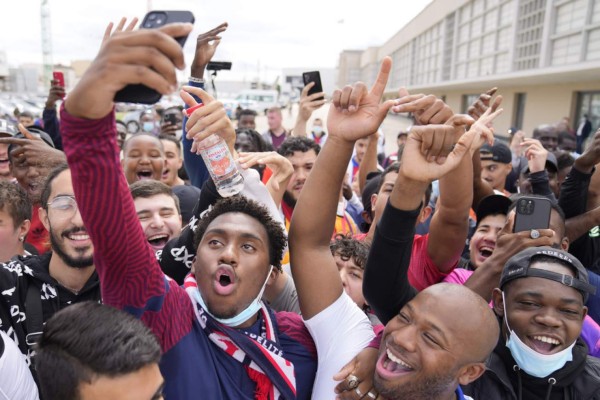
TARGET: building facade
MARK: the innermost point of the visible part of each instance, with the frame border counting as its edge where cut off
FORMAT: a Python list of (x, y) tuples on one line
[(543, 55)]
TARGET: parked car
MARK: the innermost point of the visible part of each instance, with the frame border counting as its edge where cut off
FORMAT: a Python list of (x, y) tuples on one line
[(258, 100)]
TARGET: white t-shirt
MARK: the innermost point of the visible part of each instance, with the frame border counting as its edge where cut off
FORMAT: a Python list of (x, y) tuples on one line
[(340, 332), (16, 382)]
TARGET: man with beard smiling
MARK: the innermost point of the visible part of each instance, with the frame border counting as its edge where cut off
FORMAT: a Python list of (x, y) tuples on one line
[(35, 288)]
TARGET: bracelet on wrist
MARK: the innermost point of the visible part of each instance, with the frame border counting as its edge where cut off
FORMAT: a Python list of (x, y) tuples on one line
[(195, 80)]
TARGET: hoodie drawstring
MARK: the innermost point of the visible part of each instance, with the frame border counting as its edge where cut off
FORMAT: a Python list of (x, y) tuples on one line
[(551, 382), (520, 391)]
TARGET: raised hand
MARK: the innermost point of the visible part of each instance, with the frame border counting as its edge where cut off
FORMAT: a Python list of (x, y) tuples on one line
[(535, 154), (591, 155), (108, 32), (308, 104), (419, 164), (482, 103), (56, 93), (426, 109), (206, 45), (207, 120), (32, 150), (145, 56), (282, 171), (357, 112), (282, 167)]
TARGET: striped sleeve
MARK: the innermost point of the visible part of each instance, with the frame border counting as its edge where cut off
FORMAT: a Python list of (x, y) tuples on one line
[(130, 276)]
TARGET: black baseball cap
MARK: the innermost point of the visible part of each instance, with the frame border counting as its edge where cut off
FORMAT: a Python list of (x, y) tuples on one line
[(519, 266), (491, 205), (499, 152), (35, 131)]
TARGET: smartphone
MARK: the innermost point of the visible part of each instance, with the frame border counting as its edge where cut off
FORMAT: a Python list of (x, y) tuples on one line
[(532, 213), (154, 19), (313, 76), (171, 118), (59, 79)]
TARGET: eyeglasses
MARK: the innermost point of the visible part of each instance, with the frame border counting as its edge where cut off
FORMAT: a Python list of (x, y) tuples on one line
[(64, 207)]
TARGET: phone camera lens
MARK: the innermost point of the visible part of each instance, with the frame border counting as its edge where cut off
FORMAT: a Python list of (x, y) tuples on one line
[(159, 21), (148, 24), (152, 17)]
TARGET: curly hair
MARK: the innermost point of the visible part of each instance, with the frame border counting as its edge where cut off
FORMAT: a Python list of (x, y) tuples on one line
[(240, 204), (348, 248)]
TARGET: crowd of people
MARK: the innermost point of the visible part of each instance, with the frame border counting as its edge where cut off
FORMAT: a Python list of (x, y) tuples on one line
[(338, 271)]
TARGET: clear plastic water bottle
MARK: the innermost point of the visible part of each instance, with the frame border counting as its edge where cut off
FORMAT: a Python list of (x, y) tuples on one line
[(220, 163)]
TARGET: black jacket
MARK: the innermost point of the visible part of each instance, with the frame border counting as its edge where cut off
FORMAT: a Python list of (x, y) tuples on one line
[(577, 380), (573, 201), (15, 278)]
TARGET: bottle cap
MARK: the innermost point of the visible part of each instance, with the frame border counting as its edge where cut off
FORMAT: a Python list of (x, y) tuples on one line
[(190, 110)]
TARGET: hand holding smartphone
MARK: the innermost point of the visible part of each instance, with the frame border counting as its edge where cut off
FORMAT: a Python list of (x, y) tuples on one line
[(532, 213), (153, 20), (313, 76), (59, 80)]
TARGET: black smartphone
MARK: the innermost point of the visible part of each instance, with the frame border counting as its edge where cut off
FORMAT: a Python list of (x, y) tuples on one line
[(532, 213), (313, 76), (171, 118), (154, 19)]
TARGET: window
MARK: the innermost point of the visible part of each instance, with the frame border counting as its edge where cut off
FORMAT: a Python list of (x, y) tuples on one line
[(519, 110), (566, 50), (588, 103), (570, 16), (467, 100)]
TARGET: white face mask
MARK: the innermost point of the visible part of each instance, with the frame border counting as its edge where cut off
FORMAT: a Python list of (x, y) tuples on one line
[(529, 360)]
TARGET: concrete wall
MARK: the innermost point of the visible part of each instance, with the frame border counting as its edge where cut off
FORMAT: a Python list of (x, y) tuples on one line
[(544, 103)]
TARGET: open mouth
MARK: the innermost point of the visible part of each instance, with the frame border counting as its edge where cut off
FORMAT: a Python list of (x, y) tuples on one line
[(391, 366), (486, 251), (79, 237), (159, 240), (544, 344), (225, 280), (33, 187), (224, 277), (3, 161), (165, 173), (144, 174)]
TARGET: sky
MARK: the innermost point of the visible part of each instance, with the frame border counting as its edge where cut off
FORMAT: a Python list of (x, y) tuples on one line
[(263, 37)]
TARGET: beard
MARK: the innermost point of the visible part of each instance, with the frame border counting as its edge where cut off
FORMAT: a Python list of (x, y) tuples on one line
[(289, 199), (80, 261), (428, 388)]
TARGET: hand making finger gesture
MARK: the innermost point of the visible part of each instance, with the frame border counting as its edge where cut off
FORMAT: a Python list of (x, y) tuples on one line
[(417, 162), (357, 112)]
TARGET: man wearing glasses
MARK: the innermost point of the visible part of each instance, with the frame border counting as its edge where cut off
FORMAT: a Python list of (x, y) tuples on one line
[(35, 288)]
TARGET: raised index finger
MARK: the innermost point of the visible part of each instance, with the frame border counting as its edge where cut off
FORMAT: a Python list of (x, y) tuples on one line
[(382, 77), (26, 133)]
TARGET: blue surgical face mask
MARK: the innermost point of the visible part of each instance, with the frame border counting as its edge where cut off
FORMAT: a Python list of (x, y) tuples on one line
[(148, 126), (529, 360), (245, 314), (317, 130)]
